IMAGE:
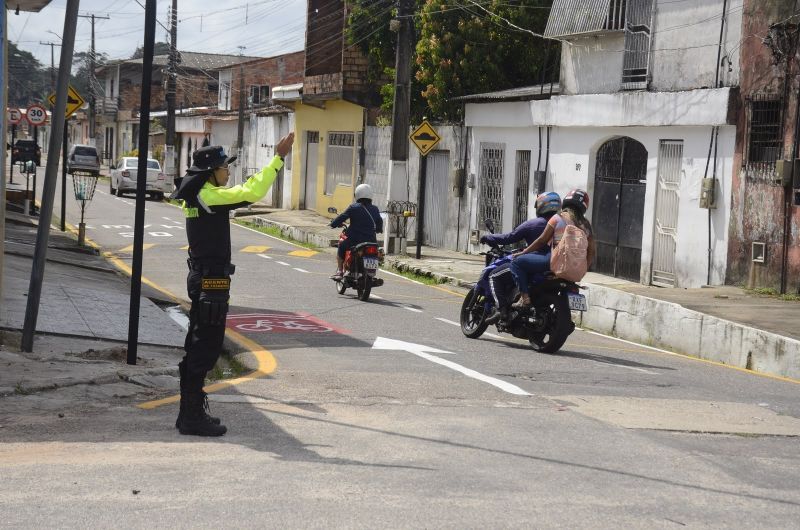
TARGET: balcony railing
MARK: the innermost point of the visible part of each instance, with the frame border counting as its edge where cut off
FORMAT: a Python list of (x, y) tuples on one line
[(107, 105)]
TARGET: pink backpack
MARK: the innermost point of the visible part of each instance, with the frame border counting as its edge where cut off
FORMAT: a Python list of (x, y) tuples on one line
[(568, 260)]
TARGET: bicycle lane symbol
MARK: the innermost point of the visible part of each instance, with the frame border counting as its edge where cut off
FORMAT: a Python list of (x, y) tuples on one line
[(280, 323)]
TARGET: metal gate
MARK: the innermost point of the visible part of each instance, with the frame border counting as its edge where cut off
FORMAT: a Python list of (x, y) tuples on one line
[(670, 154), (436, 198), (490, 199), (310, 178), (618, 215), (521, 187)]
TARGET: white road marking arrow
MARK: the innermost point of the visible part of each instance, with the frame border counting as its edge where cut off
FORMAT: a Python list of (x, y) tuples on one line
[(382, 343)]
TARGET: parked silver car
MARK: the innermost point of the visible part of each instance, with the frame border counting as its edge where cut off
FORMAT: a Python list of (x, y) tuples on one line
[(83, 158), (123, 177)]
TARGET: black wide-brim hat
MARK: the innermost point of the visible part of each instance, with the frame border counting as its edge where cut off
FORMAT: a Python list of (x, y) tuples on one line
[(208, 158)]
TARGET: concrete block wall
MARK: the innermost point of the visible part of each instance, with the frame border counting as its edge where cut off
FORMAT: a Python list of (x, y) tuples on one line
[(673, 327)]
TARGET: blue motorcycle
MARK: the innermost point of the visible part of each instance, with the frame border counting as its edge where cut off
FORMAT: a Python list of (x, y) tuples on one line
[(546, 324)]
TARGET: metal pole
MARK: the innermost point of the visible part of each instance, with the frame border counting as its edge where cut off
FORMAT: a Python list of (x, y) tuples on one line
[(171, 89), (48, 193), (141, 178), (27, 175), (3, 129), (13, 141), (63, 179), (423, 178)]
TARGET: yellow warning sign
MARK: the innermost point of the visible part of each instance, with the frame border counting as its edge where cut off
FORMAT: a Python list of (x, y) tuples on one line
[(74, 101), (425, 137)]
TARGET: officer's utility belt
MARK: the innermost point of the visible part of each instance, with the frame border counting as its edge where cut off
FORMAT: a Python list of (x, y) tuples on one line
[(208, 267)]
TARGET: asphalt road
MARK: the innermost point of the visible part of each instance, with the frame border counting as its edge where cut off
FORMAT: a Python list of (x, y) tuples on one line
[(355, 429)]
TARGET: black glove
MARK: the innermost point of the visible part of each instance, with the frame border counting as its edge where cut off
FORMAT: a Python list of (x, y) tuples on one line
[(483, 240)]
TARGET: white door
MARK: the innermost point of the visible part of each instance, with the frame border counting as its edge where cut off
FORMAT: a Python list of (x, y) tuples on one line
[(670, 154)]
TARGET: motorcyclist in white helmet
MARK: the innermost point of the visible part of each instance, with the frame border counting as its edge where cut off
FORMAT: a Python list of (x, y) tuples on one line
[(365, 224)]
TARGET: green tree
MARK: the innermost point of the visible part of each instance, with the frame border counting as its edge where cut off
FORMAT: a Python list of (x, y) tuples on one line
[(160, 48), (462, 48), (478, 49), (28, 81), (81, 64)]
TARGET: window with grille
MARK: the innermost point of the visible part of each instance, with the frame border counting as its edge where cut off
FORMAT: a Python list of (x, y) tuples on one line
[(340, 160), (764, 144), (259, 94)]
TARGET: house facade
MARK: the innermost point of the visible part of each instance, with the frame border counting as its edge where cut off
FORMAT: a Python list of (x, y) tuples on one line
[(764, 231), (329, 112), (643, 119)]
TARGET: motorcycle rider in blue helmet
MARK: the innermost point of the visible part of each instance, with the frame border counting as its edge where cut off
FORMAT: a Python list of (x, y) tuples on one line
[(501, 280)]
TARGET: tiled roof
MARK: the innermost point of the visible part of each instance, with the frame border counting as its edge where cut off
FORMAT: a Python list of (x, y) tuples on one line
[(192, 60)]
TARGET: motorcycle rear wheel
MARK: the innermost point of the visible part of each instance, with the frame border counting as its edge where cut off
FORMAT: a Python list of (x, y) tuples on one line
[(555, 309), (364, 287), (472, 317)]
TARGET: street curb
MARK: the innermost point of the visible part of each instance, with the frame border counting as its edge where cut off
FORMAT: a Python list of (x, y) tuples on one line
[(297, 233), (400, 265)]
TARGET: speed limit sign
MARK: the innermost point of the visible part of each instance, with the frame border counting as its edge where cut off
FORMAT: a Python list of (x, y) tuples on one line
[(36, 115), (14, 116)]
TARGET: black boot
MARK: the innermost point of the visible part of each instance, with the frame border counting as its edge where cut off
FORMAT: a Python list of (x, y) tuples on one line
[(182, 371), (193, 418), (494, 317)]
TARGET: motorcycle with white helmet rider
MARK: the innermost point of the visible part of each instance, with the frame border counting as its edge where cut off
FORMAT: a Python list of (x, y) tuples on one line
[(358, 245)]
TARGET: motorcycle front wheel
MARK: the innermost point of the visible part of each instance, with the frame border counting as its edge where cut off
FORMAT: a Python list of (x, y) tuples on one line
[(554, 310), (340, 286), (472, 318)]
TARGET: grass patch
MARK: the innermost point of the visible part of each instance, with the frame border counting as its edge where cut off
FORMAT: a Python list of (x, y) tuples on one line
[(773, 293), (422, 278), (276, 232), (226, 368)]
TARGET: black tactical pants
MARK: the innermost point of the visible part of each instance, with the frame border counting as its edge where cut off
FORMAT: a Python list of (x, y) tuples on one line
[(206, 332)]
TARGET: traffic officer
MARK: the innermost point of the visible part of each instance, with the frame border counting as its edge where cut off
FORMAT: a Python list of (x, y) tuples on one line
[(206, 203)]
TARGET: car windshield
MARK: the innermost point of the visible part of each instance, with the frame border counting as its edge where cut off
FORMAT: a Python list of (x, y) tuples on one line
[(134, 163), (85, 151), (25, 143)]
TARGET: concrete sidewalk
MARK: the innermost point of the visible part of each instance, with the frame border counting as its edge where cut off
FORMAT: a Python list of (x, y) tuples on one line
[(724, 324), (79, 349)]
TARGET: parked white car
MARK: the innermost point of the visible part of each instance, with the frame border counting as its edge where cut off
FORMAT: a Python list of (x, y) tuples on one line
[(123, 177)]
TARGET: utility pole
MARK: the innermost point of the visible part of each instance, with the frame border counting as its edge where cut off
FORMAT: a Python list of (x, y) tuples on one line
[(49, 189), (169, 150), (92, 81), (63, 221), (240, 130), (398, 167)]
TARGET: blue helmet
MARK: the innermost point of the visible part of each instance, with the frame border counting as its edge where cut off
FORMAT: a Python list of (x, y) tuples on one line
[(548, 203)]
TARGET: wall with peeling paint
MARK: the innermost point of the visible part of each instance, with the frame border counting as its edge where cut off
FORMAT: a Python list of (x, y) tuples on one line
[(758, 204)]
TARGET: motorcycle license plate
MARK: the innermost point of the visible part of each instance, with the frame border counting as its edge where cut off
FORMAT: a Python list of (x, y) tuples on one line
[(371, 263), (577, 302)]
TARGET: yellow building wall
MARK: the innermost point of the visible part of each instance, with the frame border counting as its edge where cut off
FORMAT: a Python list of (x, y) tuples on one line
[(337, 116)]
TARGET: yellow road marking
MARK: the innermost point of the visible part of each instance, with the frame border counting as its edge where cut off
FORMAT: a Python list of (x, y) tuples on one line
[(255, 249), (185, 247), (129, 248), (303, 253), (267, 363)]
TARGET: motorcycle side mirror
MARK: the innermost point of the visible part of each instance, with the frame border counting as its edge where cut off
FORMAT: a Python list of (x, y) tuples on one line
[(489, 225), (333, 209)]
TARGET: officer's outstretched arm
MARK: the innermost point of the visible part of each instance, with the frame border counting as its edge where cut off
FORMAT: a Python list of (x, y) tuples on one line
[(251, 191)]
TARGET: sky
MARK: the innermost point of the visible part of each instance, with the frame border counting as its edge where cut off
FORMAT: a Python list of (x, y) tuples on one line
[(264, 27)]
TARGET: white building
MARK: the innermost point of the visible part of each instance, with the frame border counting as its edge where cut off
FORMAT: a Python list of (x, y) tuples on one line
[(636, 121)]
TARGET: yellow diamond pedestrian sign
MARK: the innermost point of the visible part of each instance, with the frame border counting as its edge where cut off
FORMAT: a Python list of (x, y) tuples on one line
[(74, 101), (425, 137)]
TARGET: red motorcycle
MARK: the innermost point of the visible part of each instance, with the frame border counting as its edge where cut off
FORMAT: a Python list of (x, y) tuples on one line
[(360, 269)]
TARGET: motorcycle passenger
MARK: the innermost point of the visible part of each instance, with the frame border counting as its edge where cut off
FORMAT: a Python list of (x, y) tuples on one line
[(501, 280), (206, 203), (365, 224), (527, 263)]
